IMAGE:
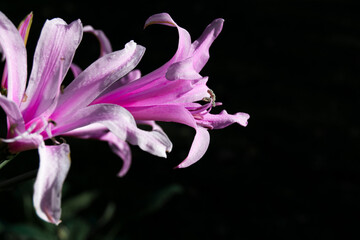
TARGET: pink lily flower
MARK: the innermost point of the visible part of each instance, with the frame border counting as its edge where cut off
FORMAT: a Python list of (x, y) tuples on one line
[(43, 110), (173, 92)]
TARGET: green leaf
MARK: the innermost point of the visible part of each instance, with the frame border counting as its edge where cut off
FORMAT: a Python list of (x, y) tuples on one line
[(73, 206), (30, 232), (160, 198), (74, 229)]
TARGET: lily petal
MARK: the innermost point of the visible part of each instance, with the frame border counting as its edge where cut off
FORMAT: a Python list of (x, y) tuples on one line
[(184, 44), (164, 113), (201, 46), (128, 78), (96, 78), (159, 92), (186, 63), (223, 119), (13, 113), (53, 56), (189, 68), (198, 148), (121, 123), (182, 70), (13, 48), (182, 52), (157, 76), (53, 168), (24, 29)]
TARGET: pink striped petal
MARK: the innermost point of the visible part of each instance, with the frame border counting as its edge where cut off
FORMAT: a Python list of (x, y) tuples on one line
[(223, 119), (200, 47), (13, 114), (120, 122), (128, 78), (53, 56), (96, 78), (24, 29), (198, 148), (159, 92), (164, 113), (182, 70), (53, 168), (13, 48)]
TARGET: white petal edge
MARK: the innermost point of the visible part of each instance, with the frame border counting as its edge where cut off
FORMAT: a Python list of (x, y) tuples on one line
[(53, 168)]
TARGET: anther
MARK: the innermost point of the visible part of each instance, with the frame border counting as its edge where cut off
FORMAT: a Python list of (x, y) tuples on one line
[(212, 97), (212, 94), (52, 122)]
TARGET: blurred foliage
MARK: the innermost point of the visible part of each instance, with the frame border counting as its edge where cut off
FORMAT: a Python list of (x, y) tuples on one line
[(78, 222)]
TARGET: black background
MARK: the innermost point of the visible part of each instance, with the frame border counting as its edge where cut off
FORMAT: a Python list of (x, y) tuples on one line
[(292, 173)]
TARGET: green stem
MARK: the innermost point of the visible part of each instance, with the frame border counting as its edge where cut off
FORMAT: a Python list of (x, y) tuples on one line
[(5, 155), (6, 161), (18, 179)]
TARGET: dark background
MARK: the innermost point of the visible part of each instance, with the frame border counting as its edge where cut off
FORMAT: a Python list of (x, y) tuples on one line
[(292, 173)]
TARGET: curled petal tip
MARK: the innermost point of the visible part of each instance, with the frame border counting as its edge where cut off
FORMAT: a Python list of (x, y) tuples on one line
[(160, 18), (243, 118), (218, 25)]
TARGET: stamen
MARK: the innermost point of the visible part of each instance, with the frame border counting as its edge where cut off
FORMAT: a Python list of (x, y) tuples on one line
[(211, 99), (202, 109), (47, 128), (25, 135), (212, 95), (56, 142), (14, 130)]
